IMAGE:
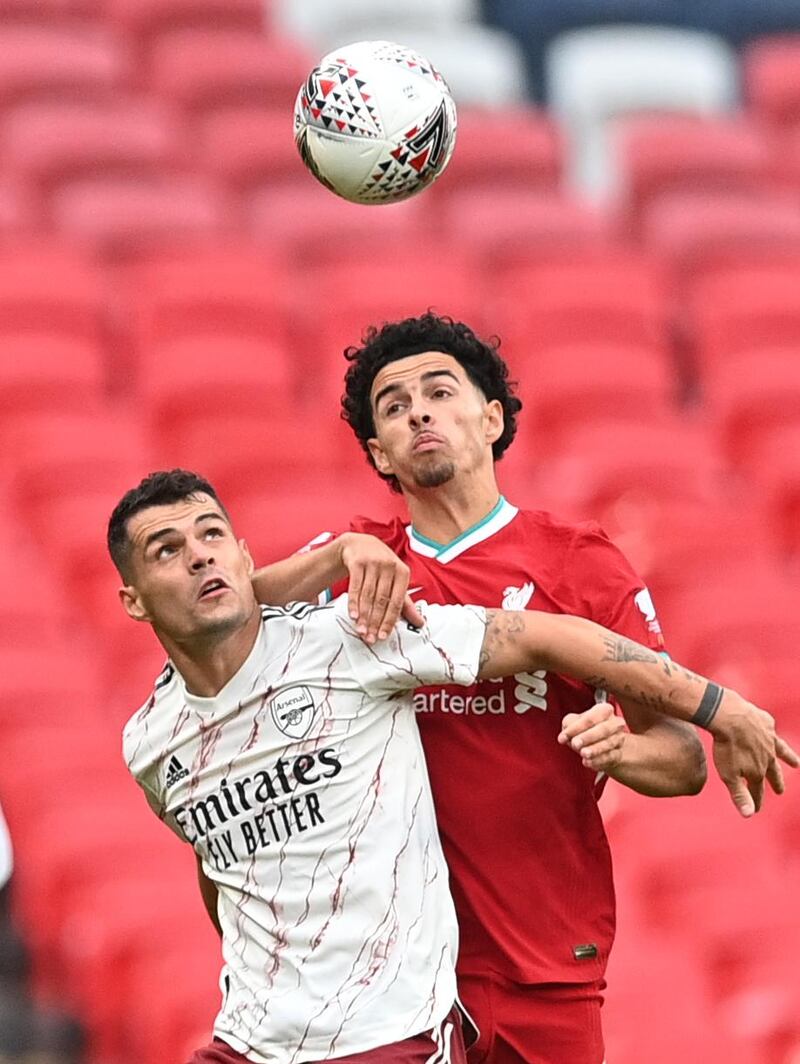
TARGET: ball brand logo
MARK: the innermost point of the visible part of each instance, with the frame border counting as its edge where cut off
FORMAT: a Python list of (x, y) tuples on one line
[(293, 711), (517, 598)]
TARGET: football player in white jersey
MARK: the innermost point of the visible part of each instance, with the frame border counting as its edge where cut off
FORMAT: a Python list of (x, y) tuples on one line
[(284, 749)]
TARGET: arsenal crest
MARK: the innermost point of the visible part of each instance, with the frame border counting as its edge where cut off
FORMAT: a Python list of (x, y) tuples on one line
[(293, 711)]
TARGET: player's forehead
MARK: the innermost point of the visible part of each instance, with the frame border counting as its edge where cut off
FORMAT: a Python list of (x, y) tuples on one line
[(410, 370), (181, 515)]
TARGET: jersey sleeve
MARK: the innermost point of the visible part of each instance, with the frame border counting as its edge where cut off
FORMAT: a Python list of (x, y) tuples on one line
[(446, 651), (610, 591)]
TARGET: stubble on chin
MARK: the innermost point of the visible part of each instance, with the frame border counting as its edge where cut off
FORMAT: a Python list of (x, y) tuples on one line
[(434, 476)]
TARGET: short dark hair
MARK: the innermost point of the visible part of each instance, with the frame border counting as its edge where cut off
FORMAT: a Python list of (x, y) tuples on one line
[(157, 489), (480, 360)]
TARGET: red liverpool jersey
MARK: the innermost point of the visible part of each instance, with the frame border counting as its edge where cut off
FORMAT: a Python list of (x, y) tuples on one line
[(529, 861)]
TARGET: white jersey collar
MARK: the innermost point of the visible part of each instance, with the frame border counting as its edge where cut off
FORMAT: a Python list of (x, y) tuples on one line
[(501, 515)]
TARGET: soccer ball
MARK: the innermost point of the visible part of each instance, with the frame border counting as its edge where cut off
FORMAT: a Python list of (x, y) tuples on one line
[(375, 122)]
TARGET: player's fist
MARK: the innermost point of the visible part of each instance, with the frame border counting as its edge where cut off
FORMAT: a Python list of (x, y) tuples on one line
[(597, 734)]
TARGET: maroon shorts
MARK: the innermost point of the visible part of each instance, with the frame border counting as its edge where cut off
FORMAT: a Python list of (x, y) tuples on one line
[(519, 1024), (444, 1044)]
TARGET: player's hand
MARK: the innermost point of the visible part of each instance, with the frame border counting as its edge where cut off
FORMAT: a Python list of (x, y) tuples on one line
[(597, 734), (747, 751), (378, 585)]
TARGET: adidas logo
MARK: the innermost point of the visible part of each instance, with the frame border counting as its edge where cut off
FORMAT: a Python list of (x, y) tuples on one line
[(175, 771)]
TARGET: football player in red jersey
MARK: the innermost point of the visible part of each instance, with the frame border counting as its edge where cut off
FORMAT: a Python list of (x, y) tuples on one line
[(530, 868)]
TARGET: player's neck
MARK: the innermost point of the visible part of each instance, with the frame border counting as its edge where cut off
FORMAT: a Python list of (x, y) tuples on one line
[(443, 513), (207, 665)]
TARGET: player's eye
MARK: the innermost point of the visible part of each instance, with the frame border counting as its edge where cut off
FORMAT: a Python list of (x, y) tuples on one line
[(166, 550), (392, 408)]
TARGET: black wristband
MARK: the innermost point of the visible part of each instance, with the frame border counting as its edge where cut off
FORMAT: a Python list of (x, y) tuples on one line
[(709, 704)]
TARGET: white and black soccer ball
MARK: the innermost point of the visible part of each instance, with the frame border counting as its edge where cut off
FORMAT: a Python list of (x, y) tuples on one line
[(375, 122)]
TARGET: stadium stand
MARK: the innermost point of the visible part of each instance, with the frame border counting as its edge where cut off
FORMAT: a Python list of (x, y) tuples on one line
[(175, 289), (595, 75)]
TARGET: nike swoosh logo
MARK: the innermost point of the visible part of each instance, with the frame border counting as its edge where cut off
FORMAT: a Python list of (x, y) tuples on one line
[(413, 590)]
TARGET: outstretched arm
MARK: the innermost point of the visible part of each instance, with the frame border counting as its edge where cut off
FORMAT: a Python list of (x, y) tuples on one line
[(377, 588), (746, 747)]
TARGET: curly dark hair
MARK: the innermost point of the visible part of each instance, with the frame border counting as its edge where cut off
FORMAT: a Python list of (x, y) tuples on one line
[(481, 362), (157, 489)]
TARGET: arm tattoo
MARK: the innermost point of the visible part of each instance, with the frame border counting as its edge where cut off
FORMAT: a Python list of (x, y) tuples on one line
[(501, 629)]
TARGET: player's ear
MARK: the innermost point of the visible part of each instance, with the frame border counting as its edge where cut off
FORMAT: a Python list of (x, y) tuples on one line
[(494, 421), (248, 558), (382, 463), (132, 603)]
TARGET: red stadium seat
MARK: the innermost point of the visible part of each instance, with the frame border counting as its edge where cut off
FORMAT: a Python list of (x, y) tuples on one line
[(49, 143), (505, 226), (50, 61), (752, 396), (510, 148), (615, 295), (49, 12), (772, 79), (752, 610), (605, 466), (46, 287), (743, 308), (773, 466), (699, 231), (222, 287), (279, 522), (143, 21), (46, 372), (19, 211), (204, 70), (185, 379), (248, 147), (686, 153), (124, 215), (315, 227), (574, 384)]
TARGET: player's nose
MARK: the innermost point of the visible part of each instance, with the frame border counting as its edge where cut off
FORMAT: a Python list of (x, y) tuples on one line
[(200, 555)]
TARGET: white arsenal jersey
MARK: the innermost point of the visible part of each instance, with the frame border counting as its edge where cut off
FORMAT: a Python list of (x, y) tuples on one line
[(302, 786)]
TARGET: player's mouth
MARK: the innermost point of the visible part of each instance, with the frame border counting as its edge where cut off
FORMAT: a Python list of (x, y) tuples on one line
[(426, 441), (212, 588)]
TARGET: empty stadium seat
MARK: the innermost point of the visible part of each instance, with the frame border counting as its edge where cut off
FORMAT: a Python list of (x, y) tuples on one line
[(703, 231), (47, 61), (505, 226), (46, 372), (752, 609), (51, 288), (518, 147), (745, 307), (575, 384), (771, 68), (223, 287), (606, 465), (249, 146), (186, 379), (311, 226), (279, 522), (121, 215), (599, 73), (773, 467), (47, 143), (672, 153), (753, 395), (19, 211), (607, 295), (144, 20), (325, 25), (203, 70)]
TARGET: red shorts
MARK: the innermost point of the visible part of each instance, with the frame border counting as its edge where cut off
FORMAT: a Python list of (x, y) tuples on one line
[(443, 1044), (519, 1024)]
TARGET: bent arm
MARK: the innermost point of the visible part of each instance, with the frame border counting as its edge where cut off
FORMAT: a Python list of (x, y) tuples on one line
[(746, 747), (301, 577), (209, 894), (661, 758)]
